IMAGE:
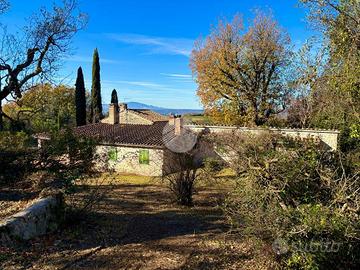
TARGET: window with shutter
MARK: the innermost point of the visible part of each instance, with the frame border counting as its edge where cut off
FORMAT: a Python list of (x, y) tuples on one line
[(144, 157)]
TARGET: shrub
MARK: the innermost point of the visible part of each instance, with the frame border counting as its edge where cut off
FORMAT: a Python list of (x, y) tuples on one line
[(296, 193), (16, 156), (182, 178), (70, 159), (213, 165), (14, 141), (67, 156), (63, 162), (64, 158)]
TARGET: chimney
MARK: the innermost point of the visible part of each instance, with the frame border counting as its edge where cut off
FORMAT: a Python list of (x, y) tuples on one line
[(113, 114), (178, 125), (177, 122), (123, 107), (171, 120)]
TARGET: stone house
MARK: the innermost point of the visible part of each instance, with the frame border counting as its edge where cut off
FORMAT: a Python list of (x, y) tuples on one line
[(132, 141), (144, 142)]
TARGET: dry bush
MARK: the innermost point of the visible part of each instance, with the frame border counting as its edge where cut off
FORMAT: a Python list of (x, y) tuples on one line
[(64, 162), (87, 194), (181, 180), (76, 162), (299, 193)]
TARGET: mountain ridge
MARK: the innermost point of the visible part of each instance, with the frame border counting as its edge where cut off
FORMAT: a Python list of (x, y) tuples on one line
[(161, 110)]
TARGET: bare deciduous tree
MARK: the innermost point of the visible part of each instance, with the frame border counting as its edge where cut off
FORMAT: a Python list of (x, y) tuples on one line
[(183, 176), (36, 53), (310, 64), (4, 5)]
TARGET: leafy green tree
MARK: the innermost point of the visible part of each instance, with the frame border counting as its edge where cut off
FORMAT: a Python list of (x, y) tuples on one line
[(44, 108), (80, 99), (96, 108), (114, 97), (340, 22)]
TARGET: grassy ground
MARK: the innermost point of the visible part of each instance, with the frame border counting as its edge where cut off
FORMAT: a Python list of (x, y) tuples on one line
[(197, 119), (136, 226)]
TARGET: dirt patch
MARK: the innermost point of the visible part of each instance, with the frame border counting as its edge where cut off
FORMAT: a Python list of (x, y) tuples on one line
[(138, 227), (13, 201), (15, 196)]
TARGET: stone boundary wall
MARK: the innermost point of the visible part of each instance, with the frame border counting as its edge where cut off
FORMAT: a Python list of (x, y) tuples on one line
[(328, 137), (42, 216)]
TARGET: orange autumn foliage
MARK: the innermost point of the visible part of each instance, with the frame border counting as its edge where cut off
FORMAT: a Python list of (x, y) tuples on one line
[(242, 75)]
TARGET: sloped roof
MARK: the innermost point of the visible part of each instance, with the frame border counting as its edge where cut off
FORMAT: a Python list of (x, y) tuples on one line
[(150, 115), (125, 134)]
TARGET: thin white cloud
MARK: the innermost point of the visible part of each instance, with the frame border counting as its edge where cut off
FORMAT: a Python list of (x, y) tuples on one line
[(147, 85), (157, 45), (175, 75), (136, 83), (86, 59)]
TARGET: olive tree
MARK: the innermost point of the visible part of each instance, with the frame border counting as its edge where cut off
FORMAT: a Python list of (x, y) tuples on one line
[(35, 53)]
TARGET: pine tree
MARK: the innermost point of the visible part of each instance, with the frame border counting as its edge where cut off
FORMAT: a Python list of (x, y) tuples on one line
[(114, 97), (96, 106), (80, 99)]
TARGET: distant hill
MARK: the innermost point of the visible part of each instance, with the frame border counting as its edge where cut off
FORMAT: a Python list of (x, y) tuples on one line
[(164, 111)]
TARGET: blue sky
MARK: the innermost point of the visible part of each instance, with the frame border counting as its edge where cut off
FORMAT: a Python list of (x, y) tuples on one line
[(144, 45)]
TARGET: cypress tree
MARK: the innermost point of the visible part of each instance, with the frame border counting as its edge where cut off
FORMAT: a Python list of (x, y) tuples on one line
[(114, 97), (96, 105), (80, 99)]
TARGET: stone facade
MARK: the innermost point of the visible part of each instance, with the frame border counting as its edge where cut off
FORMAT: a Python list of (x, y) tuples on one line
[(126, 117), (126, 159), (119, 113), (113, 114), (129, 117)]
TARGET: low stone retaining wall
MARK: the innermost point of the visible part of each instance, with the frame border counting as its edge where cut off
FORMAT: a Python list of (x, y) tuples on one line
[(42, 216), (328, 137)]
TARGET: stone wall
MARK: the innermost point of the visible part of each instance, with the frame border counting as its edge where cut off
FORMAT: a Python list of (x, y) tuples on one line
[(127, 160), (128, 117), (42, 216), (328, 137)]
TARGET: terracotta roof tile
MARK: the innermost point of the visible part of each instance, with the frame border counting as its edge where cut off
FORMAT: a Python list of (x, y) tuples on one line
[(125, 134)]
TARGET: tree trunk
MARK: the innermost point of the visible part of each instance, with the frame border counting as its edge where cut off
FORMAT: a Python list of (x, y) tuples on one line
[(1, 118)]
